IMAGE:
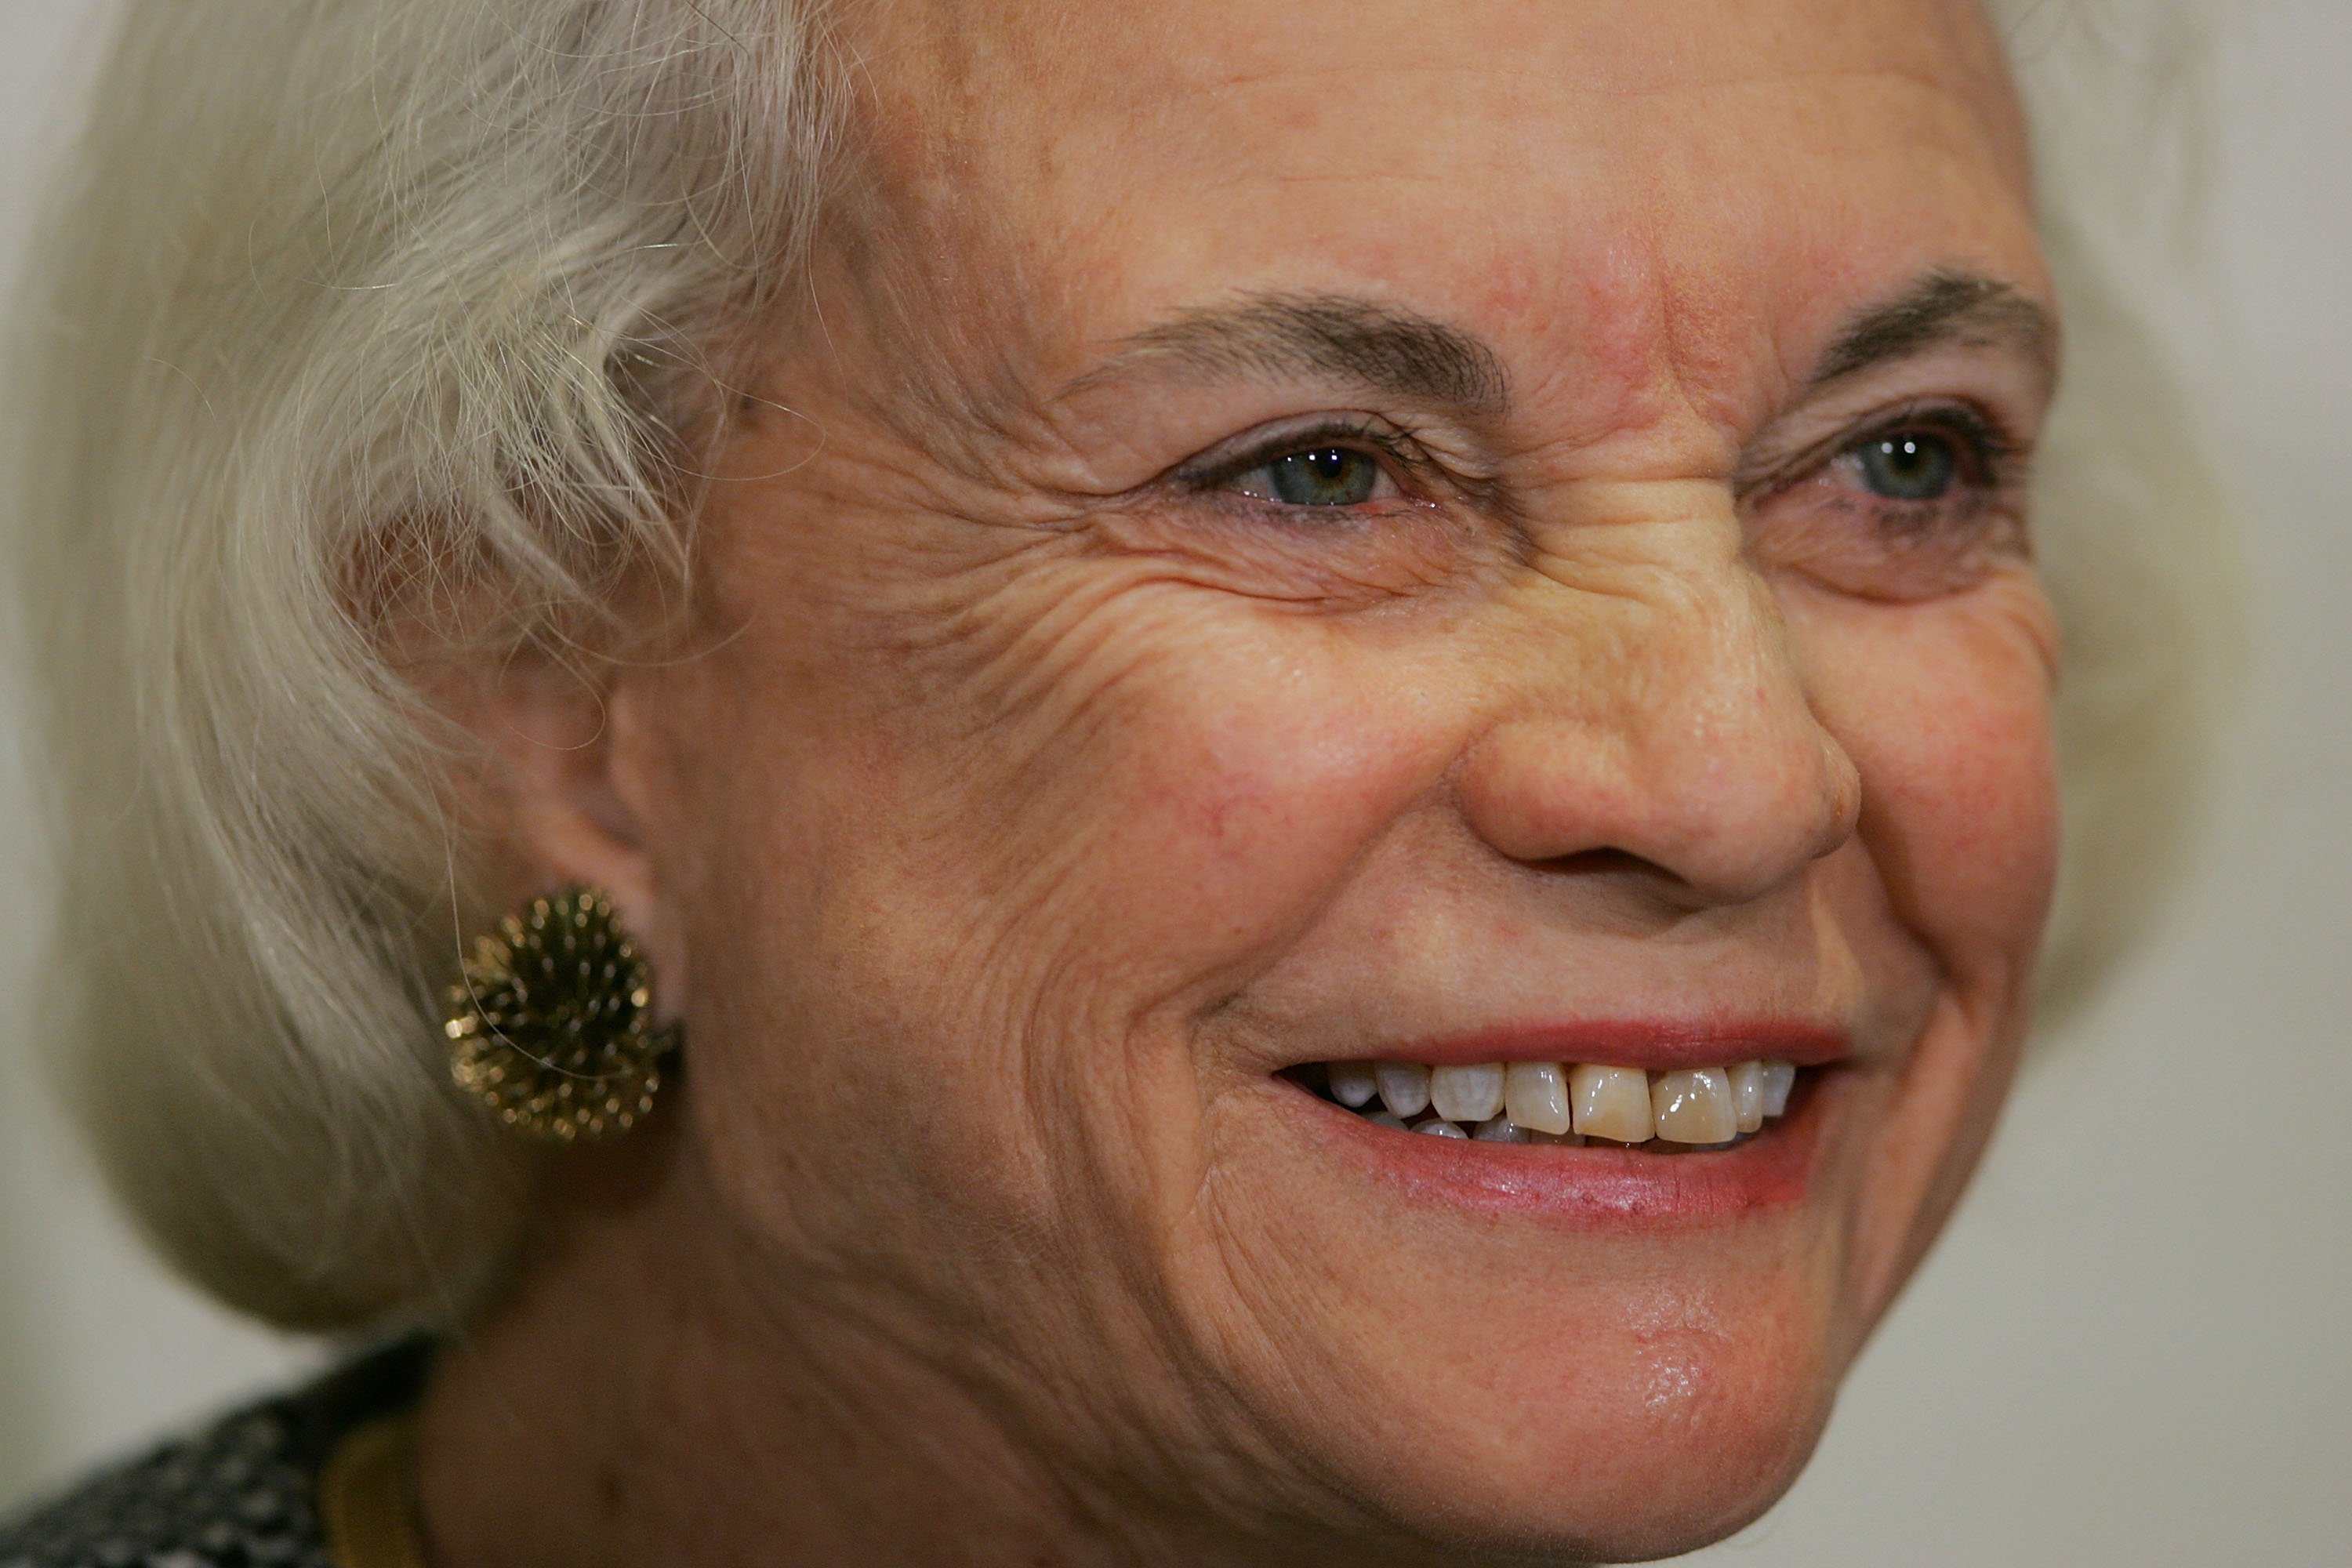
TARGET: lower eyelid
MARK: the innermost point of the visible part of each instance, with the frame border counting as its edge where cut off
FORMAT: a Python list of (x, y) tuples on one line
[(1241, 507)]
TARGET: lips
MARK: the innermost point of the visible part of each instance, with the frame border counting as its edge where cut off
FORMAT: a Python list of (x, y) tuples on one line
[(1682, 1125)]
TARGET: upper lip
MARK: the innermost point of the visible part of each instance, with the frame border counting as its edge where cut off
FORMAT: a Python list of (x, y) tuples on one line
[(1658, 1044)]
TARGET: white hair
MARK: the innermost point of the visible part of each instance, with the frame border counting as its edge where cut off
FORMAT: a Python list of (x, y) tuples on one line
[(433, 288), (337, 286)]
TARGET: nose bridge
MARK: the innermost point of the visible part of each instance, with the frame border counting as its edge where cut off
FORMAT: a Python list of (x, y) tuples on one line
[(1737, 782), (1682, 735)]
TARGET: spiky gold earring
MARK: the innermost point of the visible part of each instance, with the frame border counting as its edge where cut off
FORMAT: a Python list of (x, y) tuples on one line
[(551, 1026)]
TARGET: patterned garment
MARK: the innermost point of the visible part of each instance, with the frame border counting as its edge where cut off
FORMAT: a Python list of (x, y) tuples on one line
[(241, 1495)]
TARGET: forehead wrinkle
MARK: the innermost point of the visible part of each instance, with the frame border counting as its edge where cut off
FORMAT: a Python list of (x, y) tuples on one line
[(1396, 351)]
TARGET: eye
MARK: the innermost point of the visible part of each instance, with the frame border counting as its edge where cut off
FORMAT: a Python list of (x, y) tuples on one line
[(1928, 501), (1906, 465), (1316, 477)]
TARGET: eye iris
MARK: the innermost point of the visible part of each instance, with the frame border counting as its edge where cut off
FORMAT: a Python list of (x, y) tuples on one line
[(1912, 466), (1330, 476)]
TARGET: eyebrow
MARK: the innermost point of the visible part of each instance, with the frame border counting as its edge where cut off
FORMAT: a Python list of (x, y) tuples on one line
[(1399, 351), (1945, 307), (1405, 354)]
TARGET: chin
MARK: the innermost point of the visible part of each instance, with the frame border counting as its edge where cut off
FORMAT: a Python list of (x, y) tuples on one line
[(1560, 1353), (1615, 1424), (1684, 1436)]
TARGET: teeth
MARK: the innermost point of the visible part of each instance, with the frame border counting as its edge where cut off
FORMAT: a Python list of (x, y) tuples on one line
[(1611, 1102), (1677, 1112), (1353, 1084), (1535, 1094), (1404, 1087), (1693, 1106), (1747, 1095), (1466, 1094)]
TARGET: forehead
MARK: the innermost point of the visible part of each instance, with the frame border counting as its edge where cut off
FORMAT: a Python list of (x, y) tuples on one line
[(1749, 168)]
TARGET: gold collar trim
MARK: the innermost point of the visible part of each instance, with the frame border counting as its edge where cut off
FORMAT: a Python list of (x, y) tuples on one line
[(367, 1497)]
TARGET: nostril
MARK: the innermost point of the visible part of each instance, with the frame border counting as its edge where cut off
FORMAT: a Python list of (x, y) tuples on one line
[(1724, 800), (1603, 862)]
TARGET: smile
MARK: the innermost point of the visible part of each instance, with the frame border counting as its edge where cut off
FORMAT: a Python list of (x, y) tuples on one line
[(1605, 1144), (1671, 1110)]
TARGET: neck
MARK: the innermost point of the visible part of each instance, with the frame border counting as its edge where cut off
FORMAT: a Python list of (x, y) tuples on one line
[(651, 1387), (638, 1394)]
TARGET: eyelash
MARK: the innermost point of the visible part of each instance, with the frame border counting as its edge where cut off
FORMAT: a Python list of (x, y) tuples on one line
[(1396, 451), (1991, 457), (1983, 442)]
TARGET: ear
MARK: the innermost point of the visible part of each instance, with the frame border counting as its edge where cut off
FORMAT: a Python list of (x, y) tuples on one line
[(561, 791)]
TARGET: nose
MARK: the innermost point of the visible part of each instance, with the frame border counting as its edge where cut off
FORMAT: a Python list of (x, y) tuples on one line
[(1672, 726)]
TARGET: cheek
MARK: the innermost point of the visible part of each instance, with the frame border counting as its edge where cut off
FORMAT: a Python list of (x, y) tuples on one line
[(1945, 709), (1244, 785), (1165, 789), (1090, 814)]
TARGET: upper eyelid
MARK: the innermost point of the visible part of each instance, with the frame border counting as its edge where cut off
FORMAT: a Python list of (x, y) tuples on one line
[(1229, 460)]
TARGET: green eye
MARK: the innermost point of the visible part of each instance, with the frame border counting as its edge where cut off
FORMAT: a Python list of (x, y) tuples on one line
[(1327, 475), (1909, 465)]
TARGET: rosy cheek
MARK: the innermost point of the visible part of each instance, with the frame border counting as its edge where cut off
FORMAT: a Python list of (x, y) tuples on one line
[(1945, 710), (1252, 804)]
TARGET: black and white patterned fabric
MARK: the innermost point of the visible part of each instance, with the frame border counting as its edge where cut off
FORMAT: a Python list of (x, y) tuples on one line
[(243, 1494)]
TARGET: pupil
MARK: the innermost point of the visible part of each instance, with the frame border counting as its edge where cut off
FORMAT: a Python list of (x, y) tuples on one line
[(1332, 476), (1910, 467)]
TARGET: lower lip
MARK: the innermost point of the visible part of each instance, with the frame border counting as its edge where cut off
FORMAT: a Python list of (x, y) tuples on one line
[(1594, 1187)]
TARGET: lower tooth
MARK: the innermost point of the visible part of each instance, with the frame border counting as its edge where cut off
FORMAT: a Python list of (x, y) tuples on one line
[(1353, 1084), (1382, 1118), (1500, 1130), (1438, 1127)]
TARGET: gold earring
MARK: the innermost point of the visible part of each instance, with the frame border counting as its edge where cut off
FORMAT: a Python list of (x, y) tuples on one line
[(551, 1026)]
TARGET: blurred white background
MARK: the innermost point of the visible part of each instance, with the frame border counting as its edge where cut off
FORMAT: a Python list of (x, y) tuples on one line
[(2134, 1347)]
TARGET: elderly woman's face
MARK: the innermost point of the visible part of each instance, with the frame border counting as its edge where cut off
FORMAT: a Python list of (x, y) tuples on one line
[(1368, 532)]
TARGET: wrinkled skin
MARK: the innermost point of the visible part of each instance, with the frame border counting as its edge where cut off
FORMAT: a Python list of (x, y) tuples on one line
[(1033, 785)]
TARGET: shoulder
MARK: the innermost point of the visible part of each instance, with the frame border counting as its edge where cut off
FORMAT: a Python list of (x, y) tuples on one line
[(241, 1494)]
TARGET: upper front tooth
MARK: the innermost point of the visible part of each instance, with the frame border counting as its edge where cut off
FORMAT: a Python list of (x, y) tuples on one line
[(1695, 1106), (1467, 1093), (1403, 1086), (1536, 1096), (1352, 1084), (1611, 1102), (1780, 1077), (1747, 1095)]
